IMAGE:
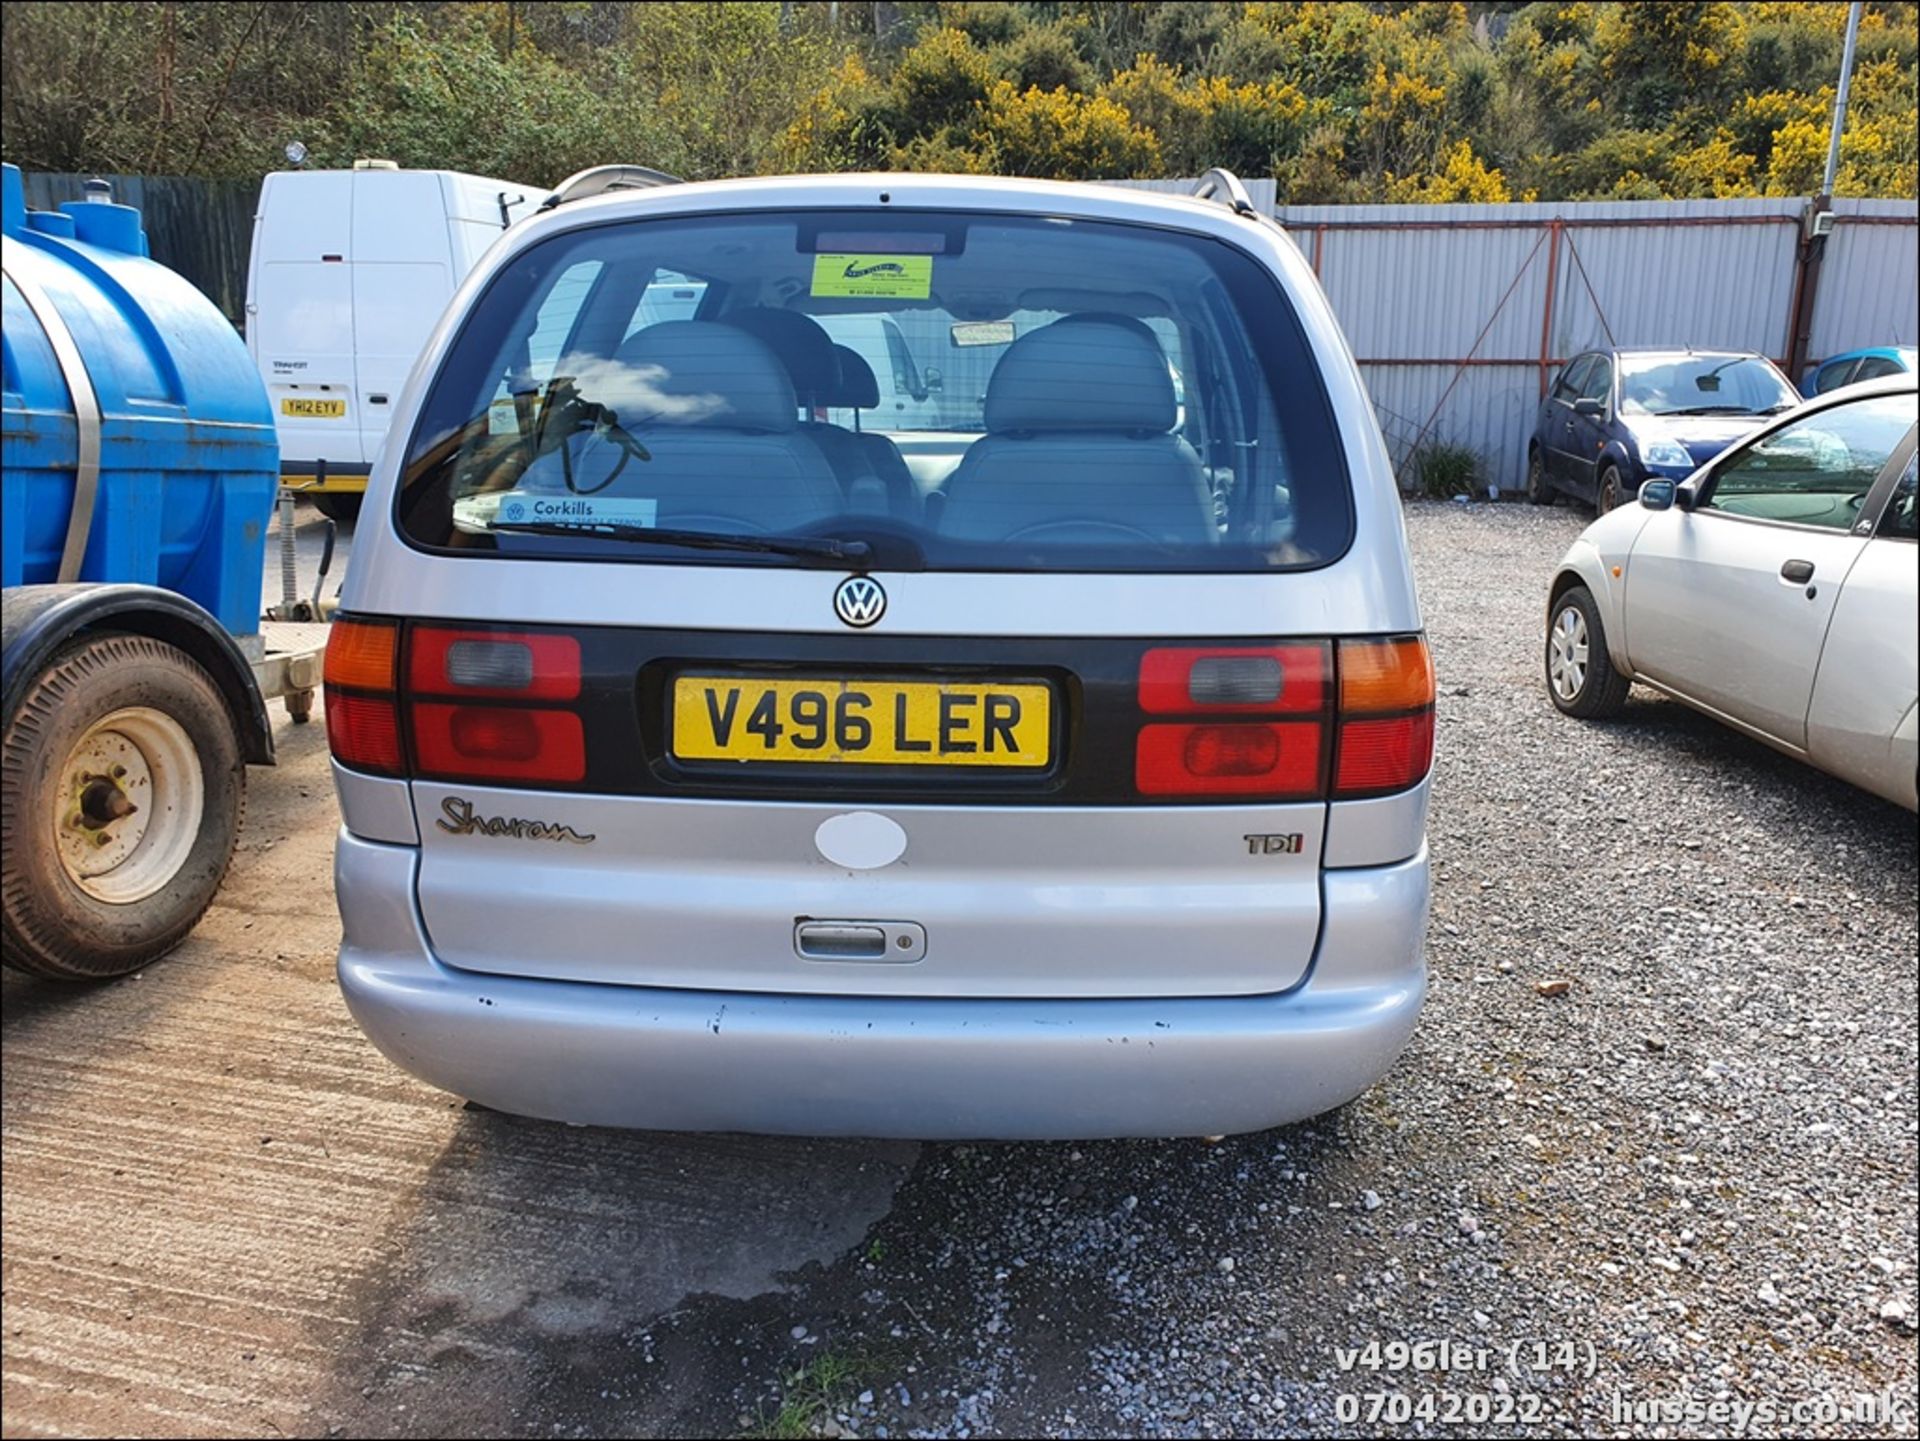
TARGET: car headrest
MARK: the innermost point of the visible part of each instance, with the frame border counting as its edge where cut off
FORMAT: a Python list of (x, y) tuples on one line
[(802, 344), (1083, 372), (858, 390), (697, 373)]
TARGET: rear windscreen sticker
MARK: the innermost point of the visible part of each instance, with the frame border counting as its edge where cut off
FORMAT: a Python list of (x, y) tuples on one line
[(517, 507), (881, 277)]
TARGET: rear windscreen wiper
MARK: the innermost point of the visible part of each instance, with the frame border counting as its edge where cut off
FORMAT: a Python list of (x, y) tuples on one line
[(816, 548)]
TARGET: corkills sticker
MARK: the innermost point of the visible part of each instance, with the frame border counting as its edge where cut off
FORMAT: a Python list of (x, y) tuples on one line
[(885, 277), (519, 506)]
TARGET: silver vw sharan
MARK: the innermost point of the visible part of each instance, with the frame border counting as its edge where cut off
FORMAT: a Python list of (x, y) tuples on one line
[(1020, 728)]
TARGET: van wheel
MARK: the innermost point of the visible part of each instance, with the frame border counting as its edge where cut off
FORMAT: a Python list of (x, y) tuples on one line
[(342, 506), (1580, 674), (1539, 488), (121, 793)]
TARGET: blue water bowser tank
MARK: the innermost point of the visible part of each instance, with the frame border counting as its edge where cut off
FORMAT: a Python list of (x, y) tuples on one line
[(116, 362)]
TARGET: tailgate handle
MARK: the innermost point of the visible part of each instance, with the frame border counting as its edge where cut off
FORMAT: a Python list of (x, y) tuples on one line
[(858, 940)]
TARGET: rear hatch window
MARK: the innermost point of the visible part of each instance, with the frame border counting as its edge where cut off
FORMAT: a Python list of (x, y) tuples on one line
[(902, 390)]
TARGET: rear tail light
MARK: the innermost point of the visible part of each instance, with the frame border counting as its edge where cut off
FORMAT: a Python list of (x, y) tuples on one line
[(1385, 738), (476, 704), (364, 733), (479, 742), (1278, 760), (363, 722), (1265, 680), (506, 664), (1377, 756), (1377, 676), (1299, 721)]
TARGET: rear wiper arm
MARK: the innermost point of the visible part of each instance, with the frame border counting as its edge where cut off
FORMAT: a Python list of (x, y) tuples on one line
[(819, 548)]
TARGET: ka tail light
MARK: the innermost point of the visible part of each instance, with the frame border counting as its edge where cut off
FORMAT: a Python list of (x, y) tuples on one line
[(1384, 741), (363, 714), (1304, 720), (487, 705), (465, 703), (1253, 721)]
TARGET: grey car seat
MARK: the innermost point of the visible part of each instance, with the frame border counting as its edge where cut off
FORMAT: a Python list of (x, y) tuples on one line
[(715, 412), (1079, 448), (806, 350), (859, 390)]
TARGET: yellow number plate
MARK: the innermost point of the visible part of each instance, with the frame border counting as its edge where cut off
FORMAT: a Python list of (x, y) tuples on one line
[(313, 409), (891, 723)]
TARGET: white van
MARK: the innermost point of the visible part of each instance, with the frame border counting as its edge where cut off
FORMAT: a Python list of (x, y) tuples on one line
[(705, 764), (349, 273)]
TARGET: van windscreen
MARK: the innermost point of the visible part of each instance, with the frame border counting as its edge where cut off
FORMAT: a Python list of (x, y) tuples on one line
[(924, 390)]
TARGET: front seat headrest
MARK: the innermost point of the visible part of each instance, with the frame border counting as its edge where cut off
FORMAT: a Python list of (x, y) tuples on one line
[(802, 344), (1082, 373), (858, 389), (696, 373)]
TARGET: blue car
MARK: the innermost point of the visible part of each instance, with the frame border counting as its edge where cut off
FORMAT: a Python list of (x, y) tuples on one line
[(1614, 418), (1868, 363)]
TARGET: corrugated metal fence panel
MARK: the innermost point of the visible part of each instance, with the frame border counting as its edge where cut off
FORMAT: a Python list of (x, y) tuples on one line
[(201, 228), (1715, 287), (1488, 409), (1870, 281), (1413, 286), (1405, 295)]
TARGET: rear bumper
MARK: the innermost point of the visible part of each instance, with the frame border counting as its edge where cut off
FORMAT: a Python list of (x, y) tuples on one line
[(846, 1065)]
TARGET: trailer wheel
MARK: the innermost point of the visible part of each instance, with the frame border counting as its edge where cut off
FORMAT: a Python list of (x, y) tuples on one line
[(121, 793)]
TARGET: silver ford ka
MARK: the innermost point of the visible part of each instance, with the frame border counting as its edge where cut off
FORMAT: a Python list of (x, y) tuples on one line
[(1019, 729), (1777, 589)]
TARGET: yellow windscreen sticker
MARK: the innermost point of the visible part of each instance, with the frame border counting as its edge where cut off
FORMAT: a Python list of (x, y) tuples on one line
[(884, 277)]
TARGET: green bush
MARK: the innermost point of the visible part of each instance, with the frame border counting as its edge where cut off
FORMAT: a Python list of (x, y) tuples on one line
[(1443, 470), (1043, 58)]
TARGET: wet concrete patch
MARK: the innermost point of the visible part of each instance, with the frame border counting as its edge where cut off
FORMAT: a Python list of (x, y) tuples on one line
[(536, 1255)]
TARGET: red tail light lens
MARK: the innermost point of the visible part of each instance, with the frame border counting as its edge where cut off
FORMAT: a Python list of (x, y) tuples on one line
[(1377, 756), (1232, 751), (480, 742), (364, 732), (1277, 760)]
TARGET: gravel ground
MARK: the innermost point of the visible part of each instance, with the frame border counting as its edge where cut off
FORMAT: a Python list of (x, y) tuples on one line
[(1689, 1176)]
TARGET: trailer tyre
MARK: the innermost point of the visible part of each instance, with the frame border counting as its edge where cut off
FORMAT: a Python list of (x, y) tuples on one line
[(121, 794)]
